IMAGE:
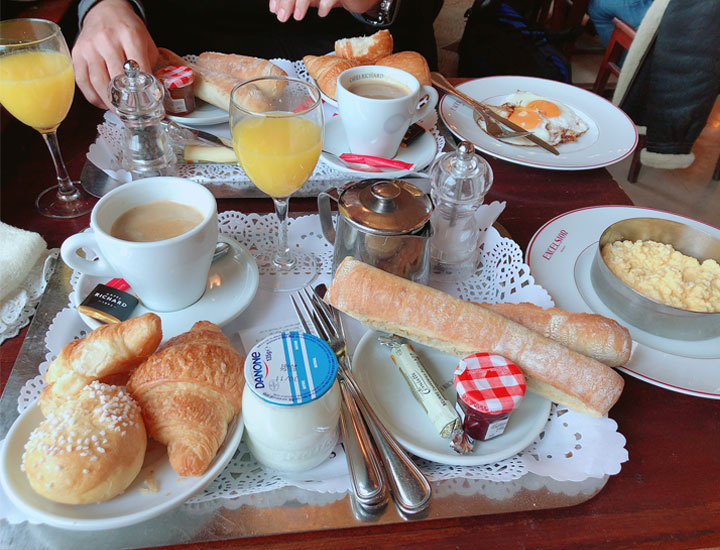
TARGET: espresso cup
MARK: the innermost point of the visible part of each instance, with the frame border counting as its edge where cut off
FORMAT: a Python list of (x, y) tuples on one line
[(378, 104), (167, 274)]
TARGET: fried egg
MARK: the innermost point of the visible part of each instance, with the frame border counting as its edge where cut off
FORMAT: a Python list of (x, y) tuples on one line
[(548, 119)]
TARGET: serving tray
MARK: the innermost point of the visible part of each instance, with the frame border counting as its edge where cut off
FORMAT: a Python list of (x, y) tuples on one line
[(258, 514)]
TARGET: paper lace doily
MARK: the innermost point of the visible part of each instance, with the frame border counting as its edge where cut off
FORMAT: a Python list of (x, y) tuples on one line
[(572, 447), (106, 153), (16, 309)]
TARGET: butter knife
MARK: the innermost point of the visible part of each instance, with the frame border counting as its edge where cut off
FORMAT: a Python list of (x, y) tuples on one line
[(176, 130), (440, 82)]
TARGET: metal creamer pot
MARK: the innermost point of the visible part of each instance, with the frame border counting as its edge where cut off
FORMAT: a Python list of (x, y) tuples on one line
[(384, 223)]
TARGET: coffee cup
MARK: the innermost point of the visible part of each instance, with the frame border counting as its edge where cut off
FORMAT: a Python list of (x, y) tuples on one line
[(159, 234), (377, 105)]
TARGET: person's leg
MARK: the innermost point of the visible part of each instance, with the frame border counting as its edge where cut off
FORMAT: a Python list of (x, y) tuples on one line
[(601, 13)]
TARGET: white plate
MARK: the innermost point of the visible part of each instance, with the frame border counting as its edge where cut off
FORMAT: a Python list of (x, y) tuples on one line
[(420, 152), (232, 284), (393, 402), (678, 365), (611, 136), (133, 506), (203, 115)]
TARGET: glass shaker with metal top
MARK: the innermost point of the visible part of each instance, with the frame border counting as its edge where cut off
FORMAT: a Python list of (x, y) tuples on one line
[(138, 100), (460, 180)]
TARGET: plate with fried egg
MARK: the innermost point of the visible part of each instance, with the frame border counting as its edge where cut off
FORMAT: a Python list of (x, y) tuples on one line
[(587, 130)]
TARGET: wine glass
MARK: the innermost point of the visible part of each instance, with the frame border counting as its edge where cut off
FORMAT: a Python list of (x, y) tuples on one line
[(37, 87), (277, 133)]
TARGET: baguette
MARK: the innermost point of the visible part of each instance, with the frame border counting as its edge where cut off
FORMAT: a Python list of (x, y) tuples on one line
[(325, 70), (215, 87), (593, 335), (411, 62), (243, 67), (366, 50), (390, 303)]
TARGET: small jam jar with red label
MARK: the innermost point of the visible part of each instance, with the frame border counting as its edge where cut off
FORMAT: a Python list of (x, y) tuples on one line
[(178, 82), (489, 387)]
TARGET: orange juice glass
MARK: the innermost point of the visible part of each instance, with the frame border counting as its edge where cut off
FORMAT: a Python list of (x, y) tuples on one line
[(37, 88), (277, 134)]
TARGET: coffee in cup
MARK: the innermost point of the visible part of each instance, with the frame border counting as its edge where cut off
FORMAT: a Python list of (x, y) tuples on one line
[(167, 267), (156, 221), (377, 105)]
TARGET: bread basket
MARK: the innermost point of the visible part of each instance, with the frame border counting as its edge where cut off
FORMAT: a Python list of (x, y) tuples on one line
[(639, 310)]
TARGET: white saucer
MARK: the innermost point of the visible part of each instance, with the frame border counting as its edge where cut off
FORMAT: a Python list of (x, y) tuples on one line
[(393, 402), (132, 506), (203, 115), (420, 153), (232, 284), (560, 255)]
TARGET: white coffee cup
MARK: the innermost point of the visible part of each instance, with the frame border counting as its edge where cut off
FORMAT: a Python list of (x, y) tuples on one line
[(168, 274), (376, 126)]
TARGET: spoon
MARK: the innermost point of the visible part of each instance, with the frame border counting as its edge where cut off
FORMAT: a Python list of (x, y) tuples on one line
[(221, 250)]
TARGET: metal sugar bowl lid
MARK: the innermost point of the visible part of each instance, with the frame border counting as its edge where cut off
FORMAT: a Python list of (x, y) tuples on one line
[(385, 207)]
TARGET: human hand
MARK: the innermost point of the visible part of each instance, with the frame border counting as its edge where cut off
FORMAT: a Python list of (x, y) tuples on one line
[(111, 34), (284, 9)]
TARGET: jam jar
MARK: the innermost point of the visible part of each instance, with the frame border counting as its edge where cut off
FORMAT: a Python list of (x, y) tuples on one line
[(291, 401), (489, 387), (178, 83)]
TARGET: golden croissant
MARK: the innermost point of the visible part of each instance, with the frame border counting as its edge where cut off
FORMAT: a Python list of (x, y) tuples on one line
[(189, 391), (105, 352)]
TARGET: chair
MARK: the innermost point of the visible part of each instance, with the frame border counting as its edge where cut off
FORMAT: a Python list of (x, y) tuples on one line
[(562, 15), (620, 40)]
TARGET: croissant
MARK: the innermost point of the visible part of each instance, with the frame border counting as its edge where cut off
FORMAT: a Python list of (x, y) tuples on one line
[(366, 50), (411, 62), (189, 391), (325, 70), (106, 351)]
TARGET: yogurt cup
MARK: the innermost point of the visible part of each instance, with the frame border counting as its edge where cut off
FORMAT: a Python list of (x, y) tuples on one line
[(291, 401)]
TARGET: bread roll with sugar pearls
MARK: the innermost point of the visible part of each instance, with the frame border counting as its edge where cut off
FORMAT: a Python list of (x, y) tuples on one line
[(88, 450)]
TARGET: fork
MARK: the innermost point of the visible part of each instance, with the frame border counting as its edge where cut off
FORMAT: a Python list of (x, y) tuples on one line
[(366, 472), (410, 488)]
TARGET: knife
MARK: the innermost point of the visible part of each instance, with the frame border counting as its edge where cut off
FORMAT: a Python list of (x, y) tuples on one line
[(212, 139), (439, 81)]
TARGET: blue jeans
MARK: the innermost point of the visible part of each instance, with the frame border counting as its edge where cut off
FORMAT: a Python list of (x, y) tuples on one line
[(601, 13)]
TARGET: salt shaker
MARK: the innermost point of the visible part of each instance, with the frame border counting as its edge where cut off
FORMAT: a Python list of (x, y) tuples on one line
[(460, 181), (138, 100)]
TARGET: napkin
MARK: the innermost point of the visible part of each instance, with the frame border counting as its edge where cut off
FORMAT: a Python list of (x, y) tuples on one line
[(19, 251)]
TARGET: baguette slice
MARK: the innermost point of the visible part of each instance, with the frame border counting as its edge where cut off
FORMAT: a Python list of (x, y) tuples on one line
[(244, 67), (411, 62), (366, 50), (325, 70), (214, 87), (390, 303), (593, 335)]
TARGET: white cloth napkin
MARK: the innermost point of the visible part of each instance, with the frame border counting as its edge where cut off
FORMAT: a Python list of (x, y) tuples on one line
[(19, 251)]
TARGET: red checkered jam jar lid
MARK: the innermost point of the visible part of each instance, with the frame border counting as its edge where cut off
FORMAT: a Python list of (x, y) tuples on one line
[(489, 383), (175, 76)]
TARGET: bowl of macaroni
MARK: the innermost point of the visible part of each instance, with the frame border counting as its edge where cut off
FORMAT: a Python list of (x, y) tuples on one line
[(660, 276)]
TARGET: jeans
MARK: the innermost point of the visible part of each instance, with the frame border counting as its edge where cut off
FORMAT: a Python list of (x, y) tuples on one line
[(601, 13)]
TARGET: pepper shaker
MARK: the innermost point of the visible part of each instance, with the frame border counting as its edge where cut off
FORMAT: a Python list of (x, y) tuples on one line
[(138, 100), (460, 180)]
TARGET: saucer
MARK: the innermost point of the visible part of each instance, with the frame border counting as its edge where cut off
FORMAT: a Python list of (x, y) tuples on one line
[(231, 286), (420, 153)]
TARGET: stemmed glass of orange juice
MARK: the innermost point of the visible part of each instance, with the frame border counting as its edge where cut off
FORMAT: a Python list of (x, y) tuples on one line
[(37, 88), (277, 133)]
